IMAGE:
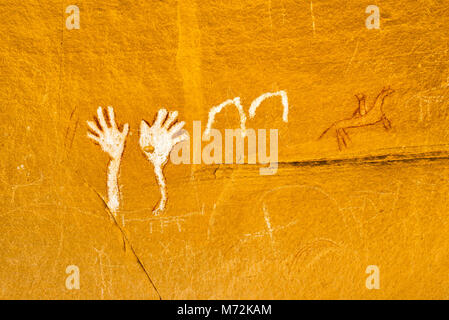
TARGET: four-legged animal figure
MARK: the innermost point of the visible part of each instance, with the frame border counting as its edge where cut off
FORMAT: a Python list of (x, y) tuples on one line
[(363, 116)]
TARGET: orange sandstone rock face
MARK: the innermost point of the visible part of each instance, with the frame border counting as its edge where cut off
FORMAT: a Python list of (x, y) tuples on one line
[(358, 214)]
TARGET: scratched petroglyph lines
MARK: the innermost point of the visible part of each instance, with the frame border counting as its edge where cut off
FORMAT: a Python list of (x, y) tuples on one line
[(166, 222), (261, 205), (171, 218), (427, 98), (14, 186), (311, 252), (354, 212), (105, 284), (270, 232), (252, 110), (313, 18), (266, 215)]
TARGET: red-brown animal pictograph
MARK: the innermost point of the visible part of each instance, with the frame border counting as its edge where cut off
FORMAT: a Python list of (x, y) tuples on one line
[(363, 116)]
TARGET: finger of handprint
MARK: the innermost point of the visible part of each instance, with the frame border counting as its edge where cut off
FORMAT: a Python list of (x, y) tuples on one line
[(161, 115), (180, 138), (171, 118), (125, 130), (93, 137), (176, 127), (93, 127), (111, 117), (101, 119)]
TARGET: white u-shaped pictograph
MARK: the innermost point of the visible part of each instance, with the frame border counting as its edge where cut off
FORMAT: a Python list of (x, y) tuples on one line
[(217, 109), (256, 103), (252, 110)]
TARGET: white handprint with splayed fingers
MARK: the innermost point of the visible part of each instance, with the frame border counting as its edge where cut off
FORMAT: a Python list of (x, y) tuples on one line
[(112, 141), (157, 142)]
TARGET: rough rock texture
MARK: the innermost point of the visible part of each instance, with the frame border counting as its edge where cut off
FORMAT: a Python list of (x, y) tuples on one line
[(308, 231)]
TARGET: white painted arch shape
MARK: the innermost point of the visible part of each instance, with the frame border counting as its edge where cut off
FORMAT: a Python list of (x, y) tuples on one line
[(256, 103), (217, 109)]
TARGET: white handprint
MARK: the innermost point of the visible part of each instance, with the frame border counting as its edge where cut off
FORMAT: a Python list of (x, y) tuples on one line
[(156, 142), (112, 141)]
